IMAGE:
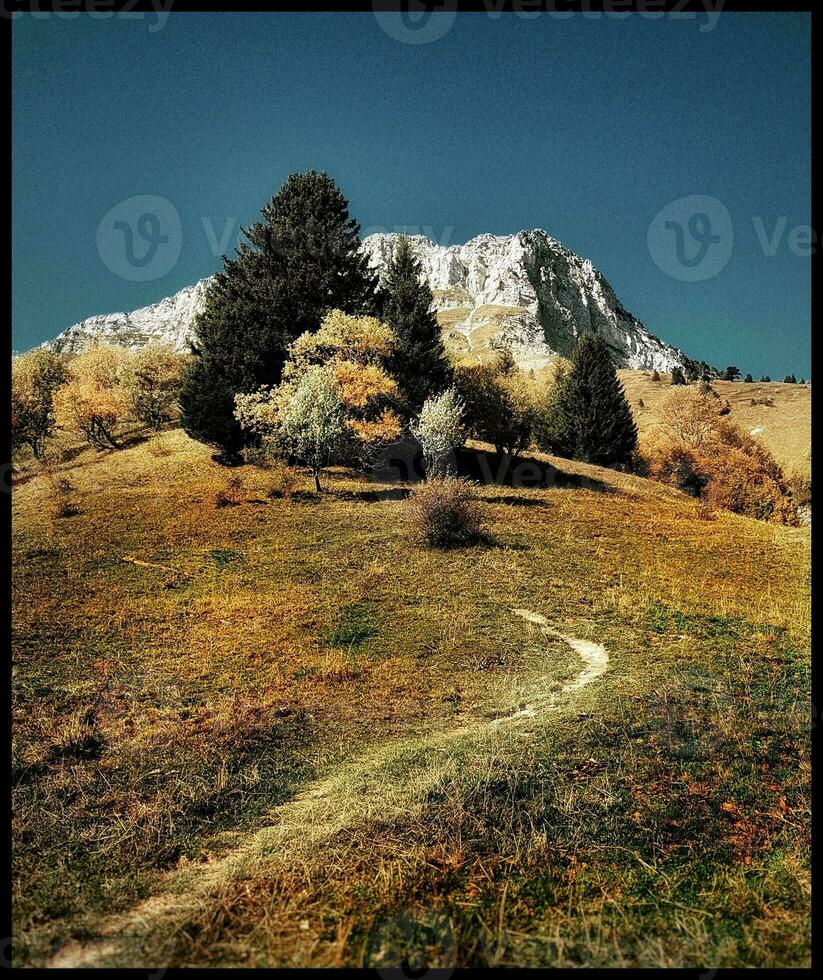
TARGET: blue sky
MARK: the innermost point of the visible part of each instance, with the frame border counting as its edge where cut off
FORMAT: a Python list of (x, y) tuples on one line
[(586, 126)]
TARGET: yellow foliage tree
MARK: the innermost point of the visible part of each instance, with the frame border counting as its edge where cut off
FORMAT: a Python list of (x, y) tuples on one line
[(336, 401), (357, 351), (94, 400)]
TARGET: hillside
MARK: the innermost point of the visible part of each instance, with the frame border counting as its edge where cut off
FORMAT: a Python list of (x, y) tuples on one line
[(784, 426), (280, 733)]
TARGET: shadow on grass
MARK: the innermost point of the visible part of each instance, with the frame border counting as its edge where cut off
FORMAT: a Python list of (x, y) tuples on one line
[(402, 462)]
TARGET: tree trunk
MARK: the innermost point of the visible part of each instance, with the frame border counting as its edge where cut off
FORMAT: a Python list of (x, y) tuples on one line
[(316, 475)]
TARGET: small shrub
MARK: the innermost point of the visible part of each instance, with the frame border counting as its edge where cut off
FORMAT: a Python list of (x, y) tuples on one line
[(641, 403), (229, 496), (64, 498), (445, 512), (678, 465)]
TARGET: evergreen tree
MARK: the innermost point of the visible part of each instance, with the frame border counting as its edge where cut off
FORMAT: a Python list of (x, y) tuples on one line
[(765, 377), (790, 379), (302, 260), (419, 365), (655, 375), (748, 379), (590, 418), (678, 378), (732, 373)]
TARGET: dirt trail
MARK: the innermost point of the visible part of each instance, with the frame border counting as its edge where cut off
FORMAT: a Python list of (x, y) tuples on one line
[(351, 795)]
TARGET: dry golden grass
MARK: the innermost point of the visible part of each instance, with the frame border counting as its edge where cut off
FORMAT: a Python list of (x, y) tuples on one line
[(257, 734)]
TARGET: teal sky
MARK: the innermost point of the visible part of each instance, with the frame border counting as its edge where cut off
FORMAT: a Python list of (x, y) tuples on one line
[(586, 126)]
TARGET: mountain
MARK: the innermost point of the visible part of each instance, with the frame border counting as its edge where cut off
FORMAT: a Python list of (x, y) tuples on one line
[(169, 321), (526, 291)]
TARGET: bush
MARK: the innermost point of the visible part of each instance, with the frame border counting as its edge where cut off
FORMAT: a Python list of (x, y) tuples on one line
[(64, 498), (231, 495), (678, 465), (445, 512), (284, 483)]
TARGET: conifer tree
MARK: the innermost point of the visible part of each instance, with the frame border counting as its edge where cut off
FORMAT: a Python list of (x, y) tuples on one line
[(590, 418), (302, 260), (678, 378), (420, 364)]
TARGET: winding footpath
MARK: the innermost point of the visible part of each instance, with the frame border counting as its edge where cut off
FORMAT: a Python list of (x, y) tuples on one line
[(318, 812)]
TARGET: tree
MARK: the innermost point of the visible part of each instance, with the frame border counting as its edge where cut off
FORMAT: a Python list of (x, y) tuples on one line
[(678, 378), (655, 375), (802, 381), (35, 377), (691, 417), (349, 354), (590, 417), (501, 405), (731, 373), (303, 417), (790, 379), (359, 351), (301, 261), (419, 364), (765, 377), (152, 378), (748, 379), (439, 430), (691, 372), (94, 400)]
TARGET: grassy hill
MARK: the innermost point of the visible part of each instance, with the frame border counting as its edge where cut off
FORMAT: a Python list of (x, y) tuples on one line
[(781, 419), (279, 732)]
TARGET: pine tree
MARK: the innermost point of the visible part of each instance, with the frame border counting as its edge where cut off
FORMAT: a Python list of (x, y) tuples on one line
[(590, 418), (302, 260), (419, 365), (678, 378), (748, 379)]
